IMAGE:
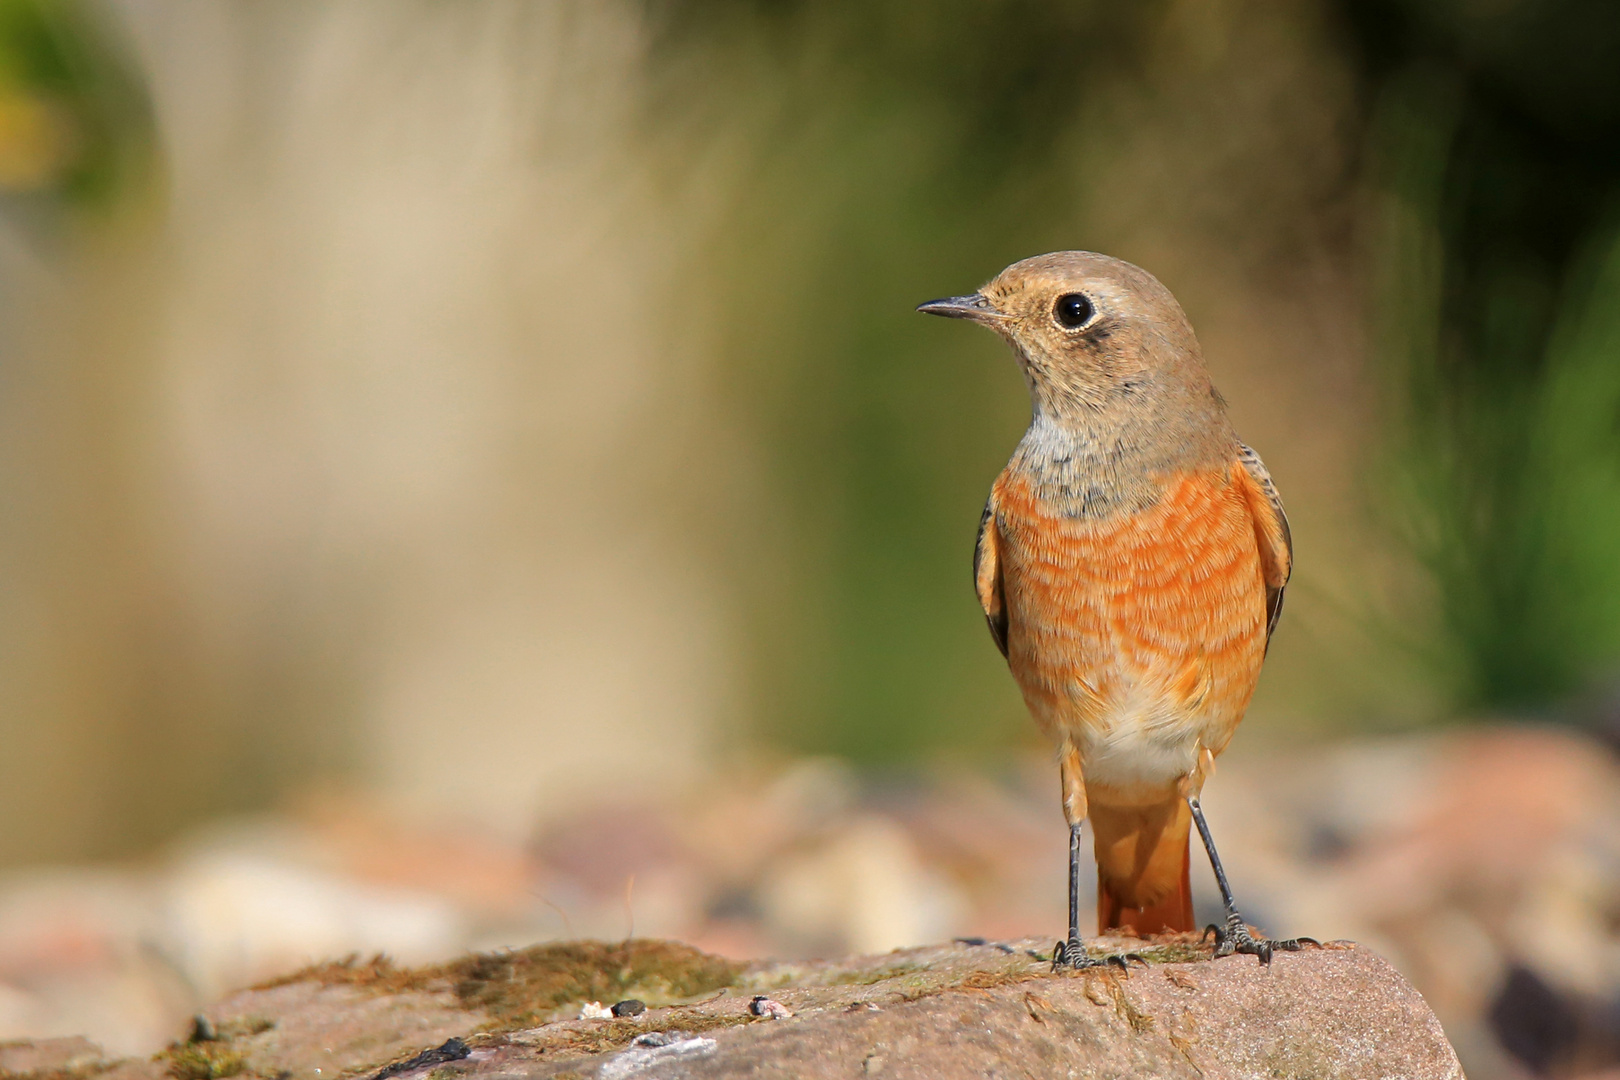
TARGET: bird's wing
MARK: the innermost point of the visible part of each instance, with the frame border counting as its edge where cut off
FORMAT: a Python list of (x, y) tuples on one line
[(987, 574), (1271, 530)]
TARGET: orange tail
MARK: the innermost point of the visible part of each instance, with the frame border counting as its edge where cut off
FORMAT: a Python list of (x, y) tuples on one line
[(1142, 866)]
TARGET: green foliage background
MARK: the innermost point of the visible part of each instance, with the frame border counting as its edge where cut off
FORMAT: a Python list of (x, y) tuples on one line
[(841, 161), (1495, 142), (894, 153), (887, 157)]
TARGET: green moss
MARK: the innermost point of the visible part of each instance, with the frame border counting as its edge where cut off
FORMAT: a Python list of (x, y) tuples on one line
[(990, 980), (379, 973), (204, 1061), (1175, 952), (241, 1028), (208, 1054), (1184, 947), (523, 988)]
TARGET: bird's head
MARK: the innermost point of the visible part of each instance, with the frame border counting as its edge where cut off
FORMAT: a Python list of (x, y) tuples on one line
[(1089, 331)]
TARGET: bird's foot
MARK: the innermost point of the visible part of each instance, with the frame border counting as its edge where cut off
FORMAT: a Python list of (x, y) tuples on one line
[(1236, 938), (1072, 954)]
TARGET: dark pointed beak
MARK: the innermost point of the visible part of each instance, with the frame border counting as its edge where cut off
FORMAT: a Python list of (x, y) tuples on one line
[(974, 307)]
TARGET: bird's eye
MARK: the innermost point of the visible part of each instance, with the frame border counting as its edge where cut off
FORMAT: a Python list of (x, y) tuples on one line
[(1072, 310)]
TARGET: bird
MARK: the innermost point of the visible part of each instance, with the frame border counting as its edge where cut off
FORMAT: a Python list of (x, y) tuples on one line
[(1131, 563)]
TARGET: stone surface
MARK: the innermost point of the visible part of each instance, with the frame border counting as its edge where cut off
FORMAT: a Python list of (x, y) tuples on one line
[(959, 1010), (319, 1032), (46, 1055)]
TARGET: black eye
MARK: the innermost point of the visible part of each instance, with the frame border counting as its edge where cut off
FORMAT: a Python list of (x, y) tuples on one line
[(1072, 309)]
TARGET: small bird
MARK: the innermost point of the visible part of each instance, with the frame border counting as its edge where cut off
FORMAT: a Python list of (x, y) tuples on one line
[(1131, 562)]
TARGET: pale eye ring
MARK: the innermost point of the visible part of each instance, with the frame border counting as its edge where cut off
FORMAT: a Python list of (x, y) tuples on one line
[(1073, 310)]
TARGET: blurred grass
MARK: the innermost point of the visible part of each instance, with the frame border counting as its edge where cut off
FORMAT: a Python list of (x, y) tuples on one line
[(853, 160), (74, 120), (878, 155), (1494, 139), (1575, 431)]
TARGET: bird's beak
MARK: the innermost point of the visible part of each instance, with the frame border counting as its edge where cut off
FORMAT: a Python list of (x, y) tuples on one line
[(975, 307)]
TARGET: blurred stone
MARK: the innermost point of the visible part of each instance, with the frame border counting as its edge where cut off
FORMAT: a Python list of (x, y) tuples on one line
[(864, 890), (1005, 849), (737, 826), (484, 875), (77, 957), (232, 917)]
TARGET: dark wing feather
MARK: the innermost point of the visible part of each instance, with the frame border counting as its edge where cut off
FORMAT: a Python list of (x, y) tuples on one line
[(987, 574), (1276, 542)]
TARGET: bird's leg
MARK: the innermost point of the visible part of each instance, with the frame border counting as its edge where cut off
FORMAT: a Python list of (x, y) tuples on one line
[(1072, 952), (1235, 938), (1075, 806)]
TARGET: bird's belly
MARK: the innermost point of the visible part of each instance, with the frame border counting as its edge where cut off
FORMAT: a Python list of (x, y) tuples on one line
[(1140, 750), (1137, 637)]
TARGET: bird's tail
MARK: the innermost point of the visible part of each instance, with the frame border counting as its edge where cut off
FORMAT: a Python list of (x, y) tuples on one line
[(1142, 866)]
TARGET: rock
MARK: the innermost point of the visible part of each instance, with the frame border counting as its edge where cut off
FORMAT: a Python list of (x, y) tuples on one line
[(49, 1055), (959, 1010)]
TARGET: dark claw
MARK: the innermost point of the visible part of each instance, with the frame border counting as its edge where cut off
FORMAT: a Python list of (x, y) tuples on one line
[(1235, 938), (1072, 954)]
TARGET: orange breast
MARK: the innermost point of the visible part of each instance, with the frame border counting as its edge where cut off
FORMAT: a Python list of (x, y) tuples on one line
[(1140, 635)]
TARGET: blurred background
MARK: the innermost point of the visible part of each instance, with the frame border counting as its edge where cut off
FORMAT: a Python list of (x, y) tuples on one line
[(471, 474)]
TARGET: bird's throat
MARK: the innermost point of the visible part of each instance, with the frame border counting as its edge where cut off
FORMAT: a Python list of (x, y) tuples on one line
[(1102, 465)]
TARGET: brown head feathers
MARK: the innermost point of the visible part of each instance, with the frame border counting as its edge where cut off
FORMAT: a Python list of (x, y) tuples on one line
[(1116, 376)]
